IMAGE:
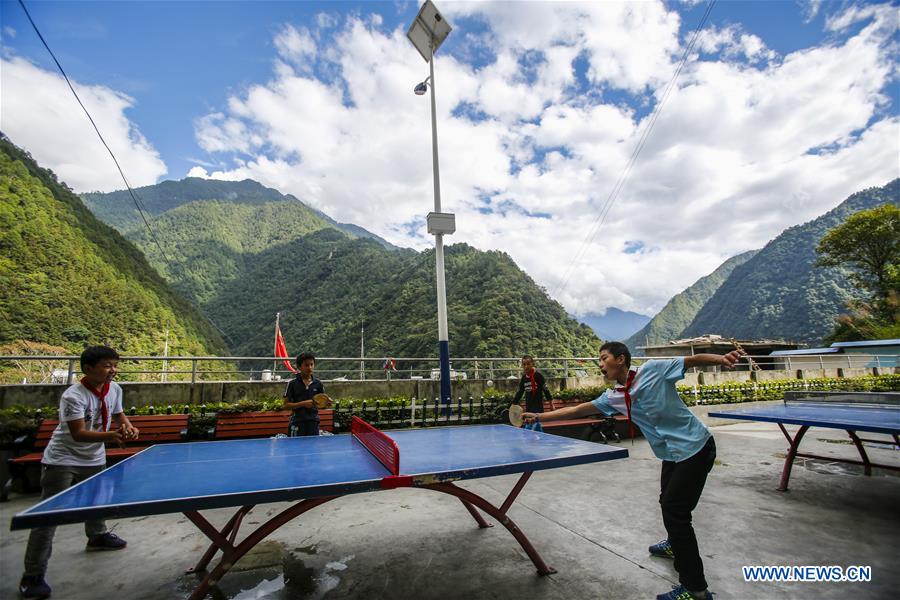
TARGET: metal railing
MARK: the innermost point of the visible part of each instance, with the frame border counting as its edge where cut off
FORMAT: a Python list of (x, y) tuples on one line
[(32, 369)]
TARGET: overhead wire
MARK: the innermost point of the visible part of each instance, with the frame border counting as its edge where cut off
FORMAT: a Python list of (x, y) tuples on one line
[(131, 191), (100, 135), (620, 183)]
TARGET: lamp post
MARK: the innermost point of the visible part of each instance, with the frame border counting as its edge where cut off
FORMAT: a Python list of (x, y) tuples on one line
[(427, 32)]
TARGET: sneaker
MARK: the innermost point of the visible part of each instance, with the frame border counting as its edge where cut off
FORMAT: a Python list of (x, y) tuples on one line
[(106, 541), (679, 592), (662, 549), (34, 586)]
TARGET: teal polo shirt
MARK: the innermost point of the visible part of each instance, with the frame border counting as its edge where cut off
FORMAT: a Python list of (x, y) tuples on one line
[(673, 431)]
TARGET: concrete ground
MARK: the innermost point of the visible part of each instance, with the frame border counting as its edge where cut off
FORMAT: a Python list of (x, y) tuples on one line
[(593, 523)]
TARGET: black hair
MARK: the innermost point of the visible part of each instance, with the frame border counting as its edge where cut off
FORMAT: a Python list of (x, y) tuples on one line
[(305, 356), (94, 354), (618, 349), (528, 357)]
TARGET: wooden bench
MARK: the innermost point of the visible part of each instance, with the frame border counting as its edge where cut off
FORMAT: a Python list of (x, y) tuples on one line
[(154, 429), (262, 424)]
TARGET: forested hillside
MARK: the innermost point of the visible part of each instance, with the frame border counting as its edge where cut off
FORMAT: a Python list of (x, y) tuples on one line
[(326, 285), (241, 262), (118, 208), (67, 279), (678, 312), (208, 243), (780, 293)]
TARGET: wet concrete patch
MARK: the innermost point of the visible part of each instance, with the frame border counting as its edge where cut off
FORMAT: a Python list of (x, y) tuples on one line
[(264, 554)]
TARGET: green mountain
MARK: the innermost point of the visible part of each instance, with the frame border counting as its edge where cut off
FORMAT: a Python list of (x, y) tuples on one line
[(67, 279), (241, 262), (210, 243), (678, 312), (119, 208), (780, 293), (326, 285)]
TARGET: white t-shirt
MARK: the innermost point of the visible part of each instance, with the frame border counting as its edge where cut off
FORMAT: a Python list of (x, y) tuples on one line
[(78, 402)]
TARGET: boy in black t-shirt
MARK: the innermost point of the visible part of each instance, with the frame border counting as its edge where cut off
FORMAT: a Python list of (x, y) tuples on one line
[(533, 386), (298, 397)]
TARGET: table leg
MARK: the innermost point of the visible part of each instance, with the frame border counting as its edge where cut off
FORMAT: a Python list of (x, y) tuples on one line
[(476, 515), (500, 515), (792, 453), (231, 527), (231, 553), (862, 452)]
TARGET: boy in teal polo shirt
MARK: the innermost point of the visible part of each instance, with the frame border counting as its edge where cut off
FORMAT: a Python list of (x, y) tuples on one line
[(648, 397)]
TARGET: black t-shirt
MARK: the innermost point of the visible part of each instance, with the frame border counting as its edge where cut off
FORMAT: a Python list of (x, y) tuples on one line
[(297, 391), (533, 401)]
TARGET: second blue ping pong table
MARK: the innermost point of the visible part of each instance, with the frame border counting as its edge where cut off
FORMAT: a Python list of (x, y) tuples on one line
[(197, 476), (873, 412)]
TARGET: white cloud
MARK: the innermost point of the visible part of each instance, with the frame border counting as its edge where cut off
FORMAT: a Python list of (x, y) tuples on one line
[(748, 143), (296, 46), (539, 111), (734, 43), (39, 113), (811, 9), (9, 31)]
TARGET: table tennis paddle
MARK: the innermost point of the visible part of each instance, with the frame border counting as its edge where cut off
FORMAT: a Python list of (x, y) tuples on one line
[(322, 401), (515, 415)]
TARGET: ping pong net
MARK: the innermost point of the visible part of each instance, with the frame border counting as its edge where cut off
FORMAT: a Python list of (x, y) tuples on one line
[(879, 399), (383, 448)]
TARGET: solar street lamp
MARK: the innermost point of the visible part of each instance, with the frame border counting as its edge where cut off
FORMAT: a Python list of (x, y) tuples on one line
[(427, 32)]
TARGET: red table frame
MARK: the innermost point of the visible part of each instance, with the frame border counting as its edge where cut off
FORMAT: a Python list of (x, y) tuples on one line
[(857, 441), (224, 539)]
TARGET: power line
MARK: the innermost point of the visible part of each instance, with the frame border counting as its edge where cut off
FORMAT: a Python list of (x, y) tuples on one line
[(131, 192), (620, 183), (134, 198)]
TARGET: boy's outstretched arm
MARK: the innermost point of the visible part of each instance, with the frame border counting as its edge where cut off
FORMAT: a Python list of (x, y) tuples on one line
[(581, 410), (701, 360)]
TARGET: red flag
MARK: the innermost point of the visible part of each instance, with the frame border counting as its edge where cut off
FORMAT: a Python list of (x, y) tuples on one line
[(281, 350)]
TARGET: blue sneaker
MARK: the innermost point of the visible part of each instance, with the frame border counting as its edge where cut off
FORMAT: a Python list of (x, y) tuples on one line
[(679, 592), (34, 586), (662, 549)]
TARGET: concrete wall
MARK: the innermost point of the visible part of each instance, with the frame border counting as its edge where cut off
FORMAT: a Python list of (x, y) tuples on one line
[(208, 392)]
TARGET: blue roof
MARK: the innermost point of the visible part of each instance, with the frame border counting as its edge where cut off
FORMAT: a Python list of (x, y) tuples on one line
[(805, 351), (866, 343)]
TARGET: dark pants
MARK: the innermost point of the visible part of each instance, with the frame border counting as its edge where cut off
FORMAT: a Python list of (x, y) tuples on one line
[(298, 428), (681, 484)]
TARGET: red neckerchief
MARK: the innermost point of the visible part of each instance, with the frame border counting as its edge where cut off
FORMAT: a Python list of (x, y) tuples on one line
[(534, 394), (101, 393), (627, 390)]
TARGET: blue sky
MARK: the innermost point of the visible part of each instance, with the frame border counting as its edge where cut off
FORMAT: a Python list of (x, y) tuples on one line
[(782, 110)]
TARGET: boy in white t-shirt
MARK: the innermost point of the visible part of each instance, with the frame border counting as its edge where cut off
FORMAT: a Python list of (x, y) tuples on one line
[(90, 414)]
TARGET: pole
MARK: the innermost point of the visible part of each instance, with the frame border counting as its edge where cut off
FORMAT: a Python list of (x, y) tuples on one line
[(443, 333), (362, 351), (165, 368), (275, 345)]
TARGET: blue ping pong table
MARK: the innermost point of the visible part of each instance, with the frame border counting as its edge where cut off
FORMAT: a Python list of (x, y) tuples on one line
[(191, 477), (875, 412)]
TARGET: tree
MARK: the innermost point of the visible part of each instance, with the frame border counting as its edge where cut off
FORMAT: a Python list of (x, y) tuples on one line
[(868, 241)]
